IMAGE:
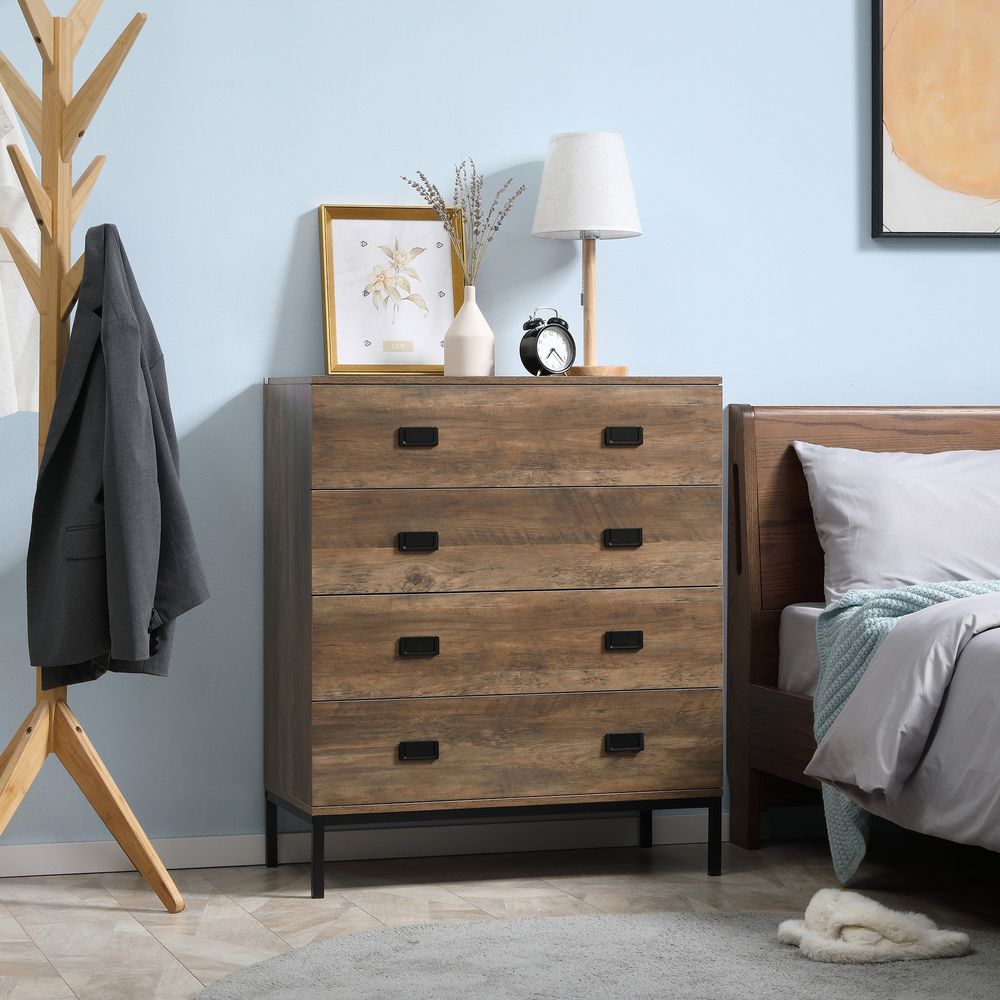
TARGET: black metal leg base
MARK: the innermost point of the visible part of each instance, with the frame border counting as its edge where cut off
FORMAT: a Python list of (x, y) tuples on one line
[(319, 824), (645, 827), (318, 857), (715, 837), (270, 833)]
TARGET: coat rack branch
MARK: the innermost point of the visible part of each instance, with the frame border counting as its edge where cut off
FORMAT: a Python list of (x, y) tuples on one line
[(88, 98), (36, 13), (81, 17), (39, 201), (56, 122), (70, 288), (30, 273), (27, 103), (85, 184)]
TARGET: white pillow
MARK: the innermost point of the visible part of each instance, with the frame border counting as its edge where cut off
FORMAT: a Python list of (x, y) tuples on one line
[(891, 519)]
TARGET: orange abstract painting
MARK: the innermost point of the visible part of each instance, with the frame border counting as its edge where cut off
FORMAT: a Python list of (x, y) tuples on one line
[(937, 117)]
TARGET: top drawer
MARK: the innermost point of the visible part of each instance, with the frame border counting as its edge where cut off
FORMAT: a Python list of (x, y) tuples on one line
[(517, 435)]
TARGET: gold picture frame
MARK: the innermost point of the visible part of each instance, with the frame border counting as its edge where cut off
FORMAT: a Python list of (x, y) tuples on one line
[(378, 287)]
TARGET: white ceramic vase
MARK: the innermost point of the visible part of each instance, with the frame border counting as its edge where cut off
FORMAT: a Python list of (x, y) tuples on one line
[(469, 344)]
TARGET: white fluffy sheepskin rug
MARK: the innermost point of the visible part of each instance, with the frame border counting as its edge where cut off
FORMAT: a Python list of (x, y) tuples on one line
[(842, 926)]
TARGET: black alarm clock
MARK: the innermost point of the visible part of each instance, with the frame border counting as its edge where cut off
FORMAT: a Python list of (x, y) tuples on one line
[(547, 347)]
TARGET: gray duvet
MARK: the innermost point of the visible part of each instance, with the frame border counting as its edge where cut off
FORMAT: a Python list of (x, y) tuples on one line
[(918, 740)]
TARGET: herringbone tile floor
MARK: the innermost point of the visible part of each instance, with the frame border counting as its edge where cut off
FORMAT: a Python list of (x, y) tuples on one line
[(105, 936)]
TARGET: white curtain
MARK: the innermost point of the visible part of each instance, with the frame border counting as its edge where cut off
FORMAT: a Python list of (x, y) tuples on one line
[(18, 316)]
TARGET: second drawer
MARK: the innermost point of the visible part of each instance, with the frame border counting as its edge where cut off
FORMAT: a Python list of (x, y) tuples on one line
[(520, 642), (514, 539)]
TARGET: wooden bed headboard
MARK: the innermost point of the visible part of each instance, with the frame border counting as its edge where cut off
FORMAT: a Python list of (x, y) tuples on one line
[(775, 560)]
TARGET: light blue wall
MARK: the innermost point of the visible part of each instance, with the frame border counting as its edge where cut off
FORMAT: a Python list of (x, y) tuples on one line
[(746, 126)]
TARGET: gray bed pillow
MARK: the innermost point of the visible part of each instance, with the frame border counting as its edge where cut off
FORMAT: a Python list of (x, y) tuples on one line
[(891, 519)]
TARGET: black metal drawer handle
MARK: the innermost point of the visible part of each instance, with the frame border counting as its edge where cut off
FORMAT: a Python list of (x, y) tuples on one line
[(624, 743), (622, 538), (418, 437), (419, 750), (419, 645), (417, 541), (622, 437), (615, 641)]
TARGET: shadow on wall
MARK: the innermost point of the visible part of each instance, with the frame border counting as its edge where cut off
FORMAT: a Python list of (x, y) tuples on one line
[(17, 679), (215, 687), (517, 261), (18, 435), (185, 750), (300, 350), (863, 76), (514, 262)]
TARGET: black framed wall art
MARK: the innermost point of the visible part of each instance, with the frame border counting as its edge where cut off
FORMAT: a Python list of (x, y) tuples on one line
[(935, 118)]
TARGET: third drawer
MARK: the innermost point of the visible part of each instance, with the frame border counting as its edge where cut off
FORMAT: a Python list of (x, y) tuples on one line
[(431, 645)]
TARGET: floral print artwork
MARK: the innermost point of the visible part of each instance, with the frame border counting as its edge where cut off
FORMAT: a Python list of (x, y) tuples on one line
[(391, 284)]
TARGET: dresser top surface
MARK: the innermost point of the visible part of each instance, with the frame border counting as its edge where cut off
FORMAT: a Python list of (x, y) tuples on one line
[(435, 380)]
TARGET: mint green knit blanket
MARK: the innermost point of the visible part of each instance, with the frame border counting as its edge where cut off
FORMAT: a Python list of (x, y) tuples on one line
[(847, 634)]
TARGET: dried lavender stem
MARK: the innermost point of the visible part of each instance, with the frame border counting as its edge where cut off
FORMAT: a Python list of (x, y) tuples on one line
[(473, 237)]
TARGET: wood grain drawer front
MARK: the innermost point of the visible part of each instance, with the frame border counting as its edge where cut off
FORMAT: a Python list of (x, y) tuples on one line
[(515, 539), (539, 435), (515, 747), (519, 642)]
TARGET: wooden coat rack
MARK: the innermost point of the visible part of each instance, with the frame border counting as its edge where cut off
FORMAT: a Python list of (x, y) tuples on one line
[(56, 123)]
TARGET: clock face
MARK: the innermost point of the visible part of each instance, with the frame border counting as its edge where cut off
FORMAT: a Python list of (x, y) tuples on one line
[(555, 349)]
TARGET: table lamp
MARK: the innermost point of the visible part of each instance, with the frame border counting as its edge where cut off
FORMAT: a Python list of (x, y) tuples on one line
[(586, 194)]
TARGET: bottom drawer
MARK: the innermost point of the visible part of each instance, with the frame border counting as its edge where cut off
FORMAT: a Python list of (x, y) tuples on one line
[(515, 747)]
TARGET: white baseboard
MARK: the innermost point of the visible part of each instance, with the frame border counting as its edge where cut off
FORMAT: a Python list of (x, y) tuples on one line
[(492, 836)]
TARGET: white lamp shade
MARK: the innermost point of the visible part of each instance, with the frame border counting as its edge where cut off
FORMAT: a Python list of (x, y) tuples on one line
[(586, 189)]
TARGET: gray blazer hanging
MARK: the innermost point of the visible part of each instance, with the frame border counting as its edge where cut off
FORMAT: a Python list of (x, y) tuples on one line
[(112, 559)]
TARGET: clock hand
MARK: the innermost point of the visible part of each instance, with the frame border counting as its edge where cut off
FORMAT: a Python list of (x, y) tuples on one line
[(556, 353)]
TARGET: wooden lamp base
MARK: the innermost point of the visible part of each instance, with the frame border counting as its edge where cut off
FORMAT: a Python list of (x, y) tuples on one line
[(590, 368), (599, 371)]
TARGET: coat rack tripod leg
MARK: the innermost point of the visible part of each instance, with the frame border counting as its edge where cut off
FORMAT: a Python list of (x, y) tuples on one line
[(56, 123), (23, 759), (87, 769)]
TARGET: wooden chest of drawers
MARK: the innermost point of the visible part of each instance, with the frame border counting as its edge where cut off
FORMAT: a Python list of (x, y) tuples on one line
[(491, 594)]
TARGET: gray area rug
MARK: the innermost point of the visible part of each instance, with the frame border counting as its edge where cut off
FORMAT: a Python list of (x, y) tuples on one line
[(680, 956)]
